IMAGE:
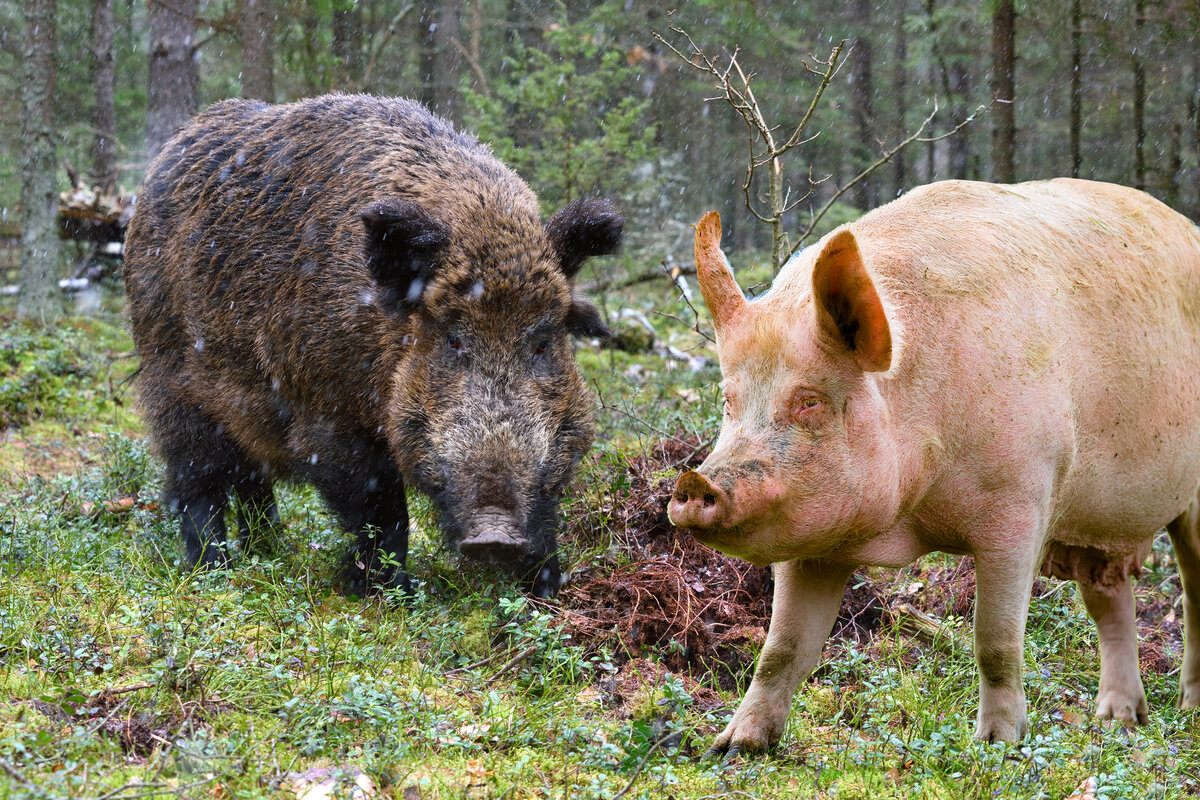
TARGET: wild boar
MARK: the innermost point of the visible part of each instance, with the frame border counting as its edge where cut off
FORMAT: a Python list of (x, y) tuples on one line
[(347, 291), (1007, 371)]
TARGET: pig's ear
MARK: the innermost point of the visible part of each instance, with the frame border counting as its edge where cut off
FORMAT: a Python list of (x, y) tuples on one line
[(722, 295), (404, 243), (848, 306), (583, 319), (587, 227)]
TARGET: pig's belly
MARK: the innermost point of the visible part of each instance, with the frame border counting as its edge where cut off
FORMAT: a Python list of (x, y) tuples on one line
[(1119, 491)]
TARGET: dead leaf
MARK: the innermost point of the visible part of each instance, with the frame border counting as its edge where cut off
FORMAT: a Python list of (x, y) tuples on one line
[(1086, 790), (1071, 717), (327, 783)]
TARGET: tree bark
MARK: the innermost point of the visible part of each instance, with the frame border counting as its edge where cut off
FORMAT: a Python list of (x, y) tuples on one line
[(899, 90), (441, 61), (866, 194), (1139, 97), (348, 45), (171, 98), (1004, 128), (104, 114), (39, 227), (1076, 86), (257, 19), (960, 143)]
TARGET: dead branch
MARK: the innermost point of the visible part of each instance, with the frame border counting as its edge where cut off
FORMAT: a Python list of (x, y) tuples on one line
[(883, 159)]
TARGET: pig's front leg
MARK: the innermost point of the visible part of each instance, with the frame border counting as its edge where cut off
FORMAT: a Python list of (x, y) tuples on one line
[(1003, 580), (807, 598)]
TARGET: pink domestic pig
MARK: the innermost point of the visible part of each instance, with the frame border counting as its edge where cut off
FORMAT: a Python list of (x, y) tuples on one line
[(1007, 371)]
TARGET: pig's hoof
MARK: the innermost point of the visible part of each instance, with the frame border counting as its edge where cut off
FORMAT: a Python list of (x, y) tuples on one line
[(998, 729), (741, 737), (1189, 696), (1129, 710)]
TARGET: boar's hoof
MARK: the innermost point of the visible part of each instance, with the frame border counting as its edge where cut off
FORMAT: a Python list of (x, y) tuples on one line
[(494, 534), (697, 502)]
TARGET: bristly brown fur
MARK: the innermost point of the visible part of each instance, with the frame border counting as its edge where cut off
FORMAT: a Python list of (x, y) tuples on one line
[(347, 291)]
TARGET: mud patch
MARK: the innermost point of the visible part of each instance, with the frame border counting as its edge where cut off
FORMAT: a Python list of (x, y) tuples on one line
[(704, 613)]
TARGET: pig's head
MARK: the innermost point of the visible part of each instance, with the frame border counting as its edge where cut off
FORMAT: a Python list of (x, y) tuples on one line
[(806, 464), (489, 415)]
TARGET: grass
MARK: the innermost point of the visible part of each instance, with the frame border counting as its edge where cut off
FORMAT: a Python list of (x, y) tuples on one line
[(123, 677)]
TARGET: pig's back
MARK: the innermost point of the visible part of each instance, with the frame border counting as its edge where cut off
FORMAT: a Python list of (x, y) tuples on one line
[(1053, 325)]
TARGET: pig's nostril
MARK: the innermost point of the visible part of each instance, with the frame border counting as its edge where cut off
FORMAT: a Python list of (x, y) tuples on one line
[(709, 500)]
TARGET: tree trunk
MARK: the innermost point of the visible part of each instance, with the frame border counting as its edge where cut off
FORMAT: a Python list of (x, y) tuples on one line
[(931, 146), (866, 195), (172, 70), (900, 73), (348, 45), (257, 19), (441, 61), (960, 143), (39, 227), (1076, 86), (1139, 97), (104, 114), (1174, 165), (1004, 127)]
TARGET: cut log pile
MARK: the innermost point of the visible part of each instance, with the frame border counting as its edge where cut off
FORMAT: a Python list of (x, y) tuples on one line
[(89, 215)]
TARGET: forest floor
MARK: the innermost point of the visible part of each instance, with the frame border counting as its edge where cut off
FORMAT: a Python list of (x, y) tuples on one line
[(122, 676)]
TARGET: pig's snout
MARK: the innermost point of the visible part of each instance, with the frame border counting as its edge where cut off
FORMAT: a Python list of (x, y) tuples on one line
[(698, 503), (493, 533)]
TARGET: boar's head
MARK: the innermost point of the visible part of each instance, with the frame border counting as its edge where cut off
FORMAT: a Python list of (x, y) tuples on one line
[(805, 465), (488, 413)]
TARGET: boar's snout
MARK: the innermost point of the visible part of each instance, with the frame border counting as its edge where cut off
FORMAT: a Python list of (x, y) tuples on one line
[(698, 503), (494, 533)]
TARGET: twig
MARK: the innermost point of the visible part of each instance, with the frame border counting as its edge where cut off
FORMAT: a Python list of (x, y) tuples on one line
[(14, 773), (641, 765), (137, 687), (883, 159), (512, 662)]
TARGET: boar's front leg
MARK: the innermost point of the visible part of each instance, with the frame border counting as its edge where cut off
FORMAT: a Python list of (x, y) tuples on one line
[(375, 509), (1003, 581), (807, 598)]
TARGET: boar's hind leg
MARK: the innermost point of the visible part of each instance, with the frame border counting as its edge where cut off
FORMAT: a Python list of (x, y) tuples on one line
[(807, 599), (257, 512), (1121, 695), (378, 516), (1003, 581), (1185, 537), (202, 463)]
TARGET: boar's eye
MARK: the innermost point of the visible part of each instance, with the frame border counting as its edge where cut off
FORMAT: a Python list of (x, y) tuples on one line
[(541, 348), (454, 343)]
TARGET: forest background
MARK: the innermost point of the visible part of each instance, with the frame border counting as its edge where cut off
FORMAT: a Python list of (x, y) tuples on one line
[(582, 97)]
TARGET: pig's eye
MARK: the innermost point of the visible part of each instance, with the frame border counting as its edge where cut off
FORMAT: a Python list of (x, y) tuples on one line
[(454, 343), (804, 403), (541, 348)]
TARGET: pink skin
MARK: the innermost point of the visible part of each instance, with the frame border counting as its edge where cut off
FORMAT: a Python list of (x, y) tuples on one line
[(1011, 372)]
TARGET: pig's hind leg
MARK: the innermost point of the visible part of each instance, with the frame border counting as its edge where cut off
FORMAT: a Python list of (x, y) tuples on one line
[(1111, 607), (1185, 537), (807, 599)]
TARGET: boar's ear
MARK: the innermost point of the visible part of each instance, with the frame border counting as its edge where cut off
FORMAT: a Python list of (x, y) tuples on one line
[(404, 243), (583, 319), (587, 227), (848, 306)]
